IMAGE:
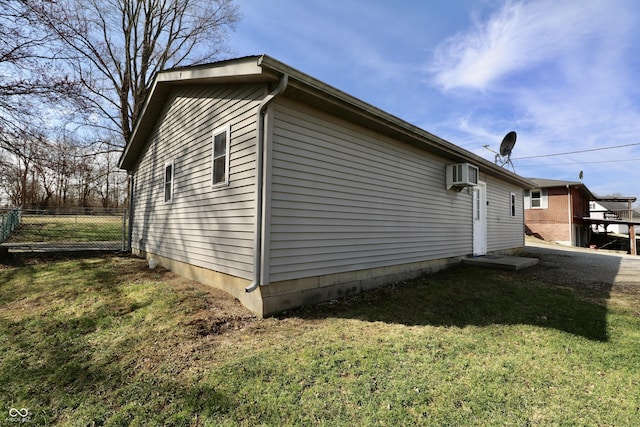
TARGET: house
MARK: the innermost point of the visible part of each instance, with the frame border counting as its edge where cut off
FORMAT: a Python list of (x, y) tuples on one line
[(616, 208), (555, 210), (260, 180)]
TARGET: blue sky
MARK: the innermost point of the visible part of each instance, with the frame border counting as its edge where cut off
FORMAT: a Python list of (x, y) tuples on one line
[(564, 74)]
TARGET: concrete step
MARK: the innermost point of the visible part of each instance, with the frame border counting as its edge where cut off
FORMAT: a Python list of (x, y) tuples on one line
[(503, 262)]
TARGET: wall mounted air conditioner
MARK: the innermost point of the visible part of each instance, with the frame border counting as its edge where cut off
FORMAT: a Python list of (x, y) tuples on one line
[(461, 175)]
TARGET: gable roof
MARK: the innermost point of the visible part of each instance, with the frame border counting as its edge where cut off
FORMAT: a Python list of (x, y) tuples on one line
[(305, 89), (546, 183), (549, 183)]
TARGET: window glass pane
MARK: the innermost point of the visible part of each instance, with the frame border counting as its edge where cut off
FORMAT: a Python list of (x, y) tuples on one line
[(167, 192), (168, 181), (536, 198), (220, 144), (219, 172)]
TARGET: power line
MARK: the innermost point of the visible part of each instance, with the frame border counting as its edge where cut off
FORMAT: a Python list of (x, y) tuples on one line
[(575, 152), (578, 163)]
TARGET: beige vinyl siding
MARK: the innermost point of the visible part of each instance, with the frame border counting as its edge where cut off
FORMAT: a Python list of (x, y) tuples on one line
[(205, 226), (344, 198), (503, 230)]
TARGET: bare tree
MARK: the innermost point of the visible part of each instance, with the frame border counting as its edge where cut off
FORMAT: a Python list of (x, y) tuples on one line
[(21, 167), (111, 180), (98, 57), (115, 47), (29, 78), (60, 173)]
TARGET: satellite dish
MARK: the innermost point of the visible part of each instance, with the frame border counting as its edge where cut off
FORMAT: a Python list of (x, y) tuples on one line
[(504, 156), (508, 142)]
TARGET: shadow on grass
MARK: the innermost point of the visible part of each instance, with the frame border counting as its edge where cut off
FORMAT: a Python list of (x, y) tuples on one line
[(75, 358), (548, 295), (54, 375)]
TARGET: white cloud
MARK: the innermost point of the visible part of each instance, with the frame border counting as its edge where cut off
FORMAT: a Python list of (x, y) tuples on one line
[(562, 74), (519, 36)]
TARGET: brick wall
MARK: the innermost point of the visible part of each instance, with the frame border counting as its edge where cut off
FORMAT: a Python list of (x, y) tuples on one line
[(580, 205), (553, 223)]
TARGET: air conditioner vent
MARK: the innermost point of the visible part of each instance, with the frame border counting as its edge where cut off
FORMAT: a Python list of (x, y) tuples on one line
[(461, 175)]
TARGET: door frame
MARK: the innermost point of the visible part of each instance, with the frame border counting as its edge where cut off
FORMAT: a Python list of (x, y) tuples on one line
[(479, 218)]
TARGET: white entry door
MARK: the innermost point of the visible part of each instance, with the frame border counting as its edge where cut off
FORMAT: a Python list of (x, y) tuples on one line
[(480, 219)]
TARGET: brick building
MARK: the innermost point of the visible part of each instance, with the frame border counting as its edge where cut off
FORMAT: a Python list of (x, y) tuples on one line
[(554, 211)]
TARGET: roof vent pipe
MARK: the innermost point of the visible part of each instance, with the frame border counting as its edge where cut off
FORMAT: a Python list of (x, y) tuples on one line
[(260, 144)]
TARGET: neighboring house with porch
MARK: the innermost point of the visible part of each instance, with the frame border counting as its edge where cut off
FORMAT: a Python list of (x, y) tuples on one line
[(615, 208), (555, 210), (260, 180)]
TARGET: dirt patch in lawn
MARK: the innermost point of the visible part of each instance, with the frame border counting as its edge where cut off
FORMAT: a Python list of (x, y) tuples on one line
[(211, 311)]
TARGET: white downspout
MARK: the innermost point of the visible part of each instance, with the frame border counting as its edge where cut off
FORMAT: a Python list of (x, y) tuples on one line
[(130, 182), (260, 145)]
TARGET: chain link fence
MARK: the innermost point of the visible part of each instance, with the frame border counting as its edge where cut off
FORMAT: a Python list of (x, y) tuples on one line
[(60, 230), (9, 221)]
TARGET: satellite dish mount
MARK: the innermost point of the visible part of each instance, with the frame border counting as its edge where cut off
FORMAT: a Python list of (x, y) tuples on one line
[(504, 156)]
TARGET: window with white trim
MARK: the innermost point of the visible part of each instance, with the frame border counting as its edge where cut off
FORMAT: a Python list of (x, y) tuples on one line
[(513, 204), (536, 199), (220, 154), (169, 174)]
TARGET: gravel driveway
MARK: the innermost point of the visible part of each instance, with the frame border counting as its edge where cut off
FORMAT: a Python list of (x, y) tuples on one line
[(587, 267)]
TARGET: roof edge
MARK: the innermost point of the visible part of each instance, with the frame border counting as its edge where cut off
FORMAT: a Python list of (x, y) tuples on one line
[(263, 68), (227, 70), (407, 128), (616, 199), (548, 183)]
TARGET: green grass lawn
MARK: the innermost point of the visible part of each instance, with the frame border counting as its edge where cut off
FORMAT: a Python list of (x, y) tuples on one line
[(71, 228), (105, 341)]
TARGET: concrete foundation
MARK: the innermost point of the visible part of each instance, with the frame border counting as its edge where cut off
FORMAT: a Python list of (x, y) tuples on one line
[(280, 296)]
